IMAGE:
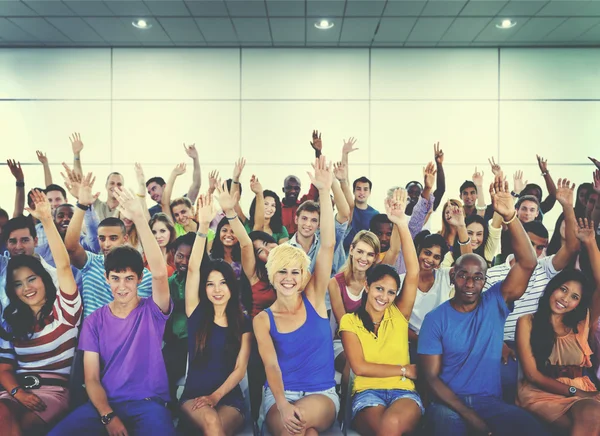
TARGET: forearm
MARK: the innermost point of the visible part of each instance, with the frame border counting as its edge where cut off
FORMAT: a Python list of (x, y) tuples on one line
[(420, 211), (444, 394), (196, 182), (463, 239), (343, 209), (198, 249), (152, 251), (98, 397), (548, 384), (440, 186), (57, 247), (8, 379), (19, 201), (327, 225), (480, 196), (409, 252), (232, 381), (91, 230), (524, 254), (74, 231), (379, 370), (571, 241), (274, 377), (259, 212), (550, 200), (47, 174), (348, 195), (168, 192), (594, 256)]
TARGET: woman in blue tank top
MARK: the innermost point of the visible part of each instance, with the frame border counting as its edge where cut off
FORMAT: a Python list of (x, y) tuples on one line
[(294, 337)]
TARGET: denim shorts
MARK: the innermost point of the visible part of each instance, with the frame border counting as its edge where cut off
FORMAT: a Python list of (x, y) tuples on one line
[(293, 396), (232, 399), (382, 397)]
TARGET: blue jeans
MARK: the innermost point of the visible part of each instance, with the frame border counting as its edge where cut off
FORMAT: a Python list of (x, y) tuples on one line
[(141, 417), (382, 397), (501, 418), (508, 375)]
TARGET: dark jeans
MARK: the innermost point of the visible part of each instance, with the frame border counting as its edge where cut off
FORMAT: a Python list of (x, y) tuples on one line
[(175, 353), (501, 418), (509, 375), (141, 417)]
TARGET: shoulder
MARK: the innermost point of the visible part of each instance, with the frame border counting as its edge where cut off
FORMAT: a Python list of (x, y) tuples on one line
[(261, 320), (350, 322), (525, 321)]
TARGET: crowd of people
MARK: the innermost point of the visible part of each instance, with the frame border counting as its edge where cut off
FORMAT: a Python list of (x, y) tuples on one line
[(486, 327)]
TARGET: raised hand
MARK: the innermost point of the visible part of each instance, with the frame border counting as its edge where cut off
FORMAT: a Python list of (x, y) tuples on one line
[(586, 232), (86, 197), (596, 181), (596, 161), (238, 167), (128, 206), (455, 216), (213, 177), (316, 142), (323, 177), (429, 175), (72, 181), (339, 171), (139, 173), (226, 200), (191, 151), (255, 185), (395, 207), (565, 192), (478, 177), (205, 211), (501, 198), (15, 169), (348, 146), (42, 210), (438, 153), (542, 163), (179, 169), (42, 157), (495, 167), (76, 143), (519, 184)]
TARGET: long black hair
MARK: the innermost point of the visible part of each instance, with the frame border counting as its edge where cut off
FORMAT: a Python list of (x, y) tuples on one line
[(556, 240), (276, 222), (581, 207), (543, 335), (233, 312), (486, 234), (18, 315), (218, 249), (375, 273)]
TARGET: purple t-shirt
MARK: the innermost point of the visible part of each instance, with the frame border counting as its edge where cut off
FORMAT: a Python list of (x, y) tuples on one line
[(131, 362)]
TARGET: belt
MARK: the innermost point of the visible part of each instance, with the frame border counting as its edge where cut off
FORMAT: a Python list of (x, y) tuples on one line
[(34, 381), (568, 371)]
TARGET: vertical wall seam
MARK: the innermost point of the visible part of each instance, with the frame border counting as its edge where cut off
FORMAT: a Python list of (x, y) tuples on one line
[(369, 112), (111, 109), (498, 106), (240, 105)]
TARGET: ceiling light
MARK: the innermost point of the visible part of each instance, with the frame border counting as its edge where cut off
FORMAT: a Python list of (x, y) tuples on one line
[(507, 23), (141, 24), (324, 24)]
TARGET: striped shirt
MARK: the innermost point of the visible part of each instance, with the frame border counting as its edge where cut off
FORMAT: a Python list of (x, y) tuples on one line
[(96, 292), (50, 349), (528, 303)]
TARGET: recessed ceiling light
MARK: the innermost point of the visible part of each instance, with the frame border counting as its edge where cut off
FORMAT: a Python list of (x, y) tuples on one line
[(507, 23), (324, 24), (141, 24)]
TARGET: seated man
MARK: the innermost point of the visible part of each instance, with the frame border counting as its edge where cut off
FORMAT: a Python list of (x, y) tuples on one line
[(460, 342), (125, 375), (360, 210)]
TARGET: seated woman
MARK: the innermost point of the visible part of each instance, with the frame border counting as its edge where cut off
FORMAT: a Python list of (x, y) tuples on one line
[(294, 337), (485, 239), (449, 232), (164, 233), (219, 339), (272, 223), (553, 349), (37, 348), (179, 210), (376, 342), (226, 246)]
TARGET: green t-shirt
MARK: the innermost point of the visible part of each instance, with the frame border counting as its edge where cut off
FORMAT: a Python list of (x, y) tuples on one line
[(178, 322), (277, 236)]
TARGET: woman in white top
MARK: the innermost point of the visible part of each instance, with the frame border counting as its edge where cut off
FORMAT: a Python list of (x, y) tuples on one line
[(484, 238)]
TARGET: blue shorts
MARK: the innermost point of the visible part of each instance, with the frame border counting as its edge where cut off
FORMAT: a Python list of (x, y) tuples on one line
[(382, 397), (232, 399), (293, 396)]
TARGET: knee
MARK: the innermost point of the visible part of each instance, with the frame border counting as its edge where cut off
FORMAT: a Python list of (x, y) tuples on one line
[(589, 415), (7, 416), (211, 422), (395, 425)]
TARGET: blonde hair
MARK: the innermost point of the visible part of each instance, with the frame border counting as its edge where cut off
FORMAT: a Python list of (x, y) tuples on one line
[(286, 255), (445, 226), (368, 238)]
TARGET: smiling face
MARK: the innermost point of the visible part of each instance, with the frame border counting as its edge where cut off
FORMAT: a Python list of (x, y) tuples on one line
[(430, 258), (363, 256), (384, 233), (155, 191), (20, 241), (62, 218), (263, 248), (217, 290), (288, 281), (381, 293), (270, 207), (182, 258), (123, 285), (414, 191), (475, 231), (161, 233), (182, 214), (114, 181), (55, 198), (29, 287), (109, 237), (527, 212), (566, 298), (227, 237), (291, 189), (362, 192), (308, 223), (468, 278), (469, 196)]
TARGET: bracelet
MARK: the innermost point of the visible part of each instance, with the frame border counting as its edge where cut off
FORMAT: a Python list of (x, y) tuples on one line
[(514, 194), (467, 242), (231, 218), (237, 183), (140, 195), (201, 235), (481, 207), (20, 184), (545, 174), (403, 373), (510, 220), (76, 158), (82, 207)]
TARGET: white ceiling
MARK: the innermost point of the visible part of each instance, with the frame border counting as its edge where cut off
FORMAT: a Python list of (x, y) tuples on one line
[(290, 23)]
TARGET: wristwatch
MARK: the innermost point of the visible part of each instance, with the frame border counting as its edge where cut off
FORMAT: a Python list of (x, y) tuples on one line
[(403, 370), (105, 419), (14, 391), (572, 391)]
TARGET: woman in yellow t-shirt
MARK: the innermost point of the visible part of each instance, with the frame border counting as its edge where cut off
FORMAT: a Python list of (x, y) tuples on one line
[(375, 339)]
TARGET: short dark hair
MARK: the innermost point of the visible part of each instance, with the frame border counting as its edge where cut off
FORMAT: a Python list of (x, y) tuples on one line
[(429, 240), (187, 239), (380, 218), (414, 182), (362, 179), (114, 173), (537, 228), (467, 184), (121, 258), (112, 221), (18, 223), (533, 186), (3, 213), (309, 206), (158, 180), (54, 187), (524, 198), (62, 205)]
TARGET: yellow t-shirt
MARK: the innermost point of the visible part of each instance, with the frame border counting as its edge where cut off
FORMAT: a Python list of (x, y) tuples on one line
[(389, 347)]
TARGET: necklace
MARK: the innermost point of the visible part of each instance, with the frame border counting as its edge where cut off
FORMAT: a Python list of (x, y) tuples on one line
[(376, 323)]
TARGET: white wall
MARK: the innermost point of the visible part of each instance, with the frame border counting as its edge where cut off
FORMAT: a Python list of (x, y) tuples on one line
[(142, 104)]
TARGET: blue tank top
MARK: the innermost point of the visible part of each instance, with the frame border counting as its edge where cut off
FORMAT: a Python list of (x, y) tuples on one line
[(305, 355)]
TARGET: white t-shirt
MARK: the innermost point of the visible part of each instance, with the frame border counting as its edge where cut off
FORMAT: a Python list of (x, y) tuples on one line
[(427, 301)]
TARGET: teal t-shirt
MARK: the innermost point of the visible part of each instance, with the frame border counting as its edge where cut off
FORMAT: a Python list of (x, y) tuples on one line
[(277, 236)]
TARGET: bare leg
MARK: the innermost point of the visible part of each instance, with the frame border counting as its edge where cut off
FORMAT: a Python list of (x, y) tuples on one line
[(9, 418), (33, 424), (205, 418), (586, 418), (318, 412), (400, 418), (231, 419), (368, 420)]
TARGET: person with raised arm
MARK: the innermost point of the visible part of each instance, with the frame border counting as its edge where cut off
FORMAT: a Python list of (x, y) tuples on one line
[(17, 172), (220, 335), (125, 375), (43, 159), (460, 342), (180, 210), (37, 348), (415, 188), (294, 336)]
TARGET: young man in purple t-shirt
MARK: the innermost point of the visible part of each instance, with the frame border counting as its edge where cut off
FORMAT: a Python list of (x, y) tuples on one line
[(125, 375)]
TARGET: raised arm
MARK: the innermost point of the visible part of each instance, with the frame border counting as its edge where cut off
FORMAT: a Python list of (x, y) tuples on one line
[(238, 168), (141, 189), (586, 234), (441, 177), (429, 172), (341, 191), (478, 181), (596, 186), (566, 253), (348, 148), (246, 246), (516, 281), (44, 161), (322, 179), (43, 213), (77, 147), (550, 199), (317, 143), (194, 189), (205, 213), (457, 221), (17, 172), (165, 201), (132, 209)]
